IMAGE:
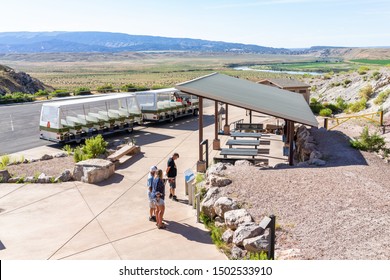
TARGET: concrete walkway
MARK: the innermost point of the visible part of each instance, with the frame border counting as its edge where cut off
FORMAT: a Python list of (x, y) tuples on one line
[(75, 220)]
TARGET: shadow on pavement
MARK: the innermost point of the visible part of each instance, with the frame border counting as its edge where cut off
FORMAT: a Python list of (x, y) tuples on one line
[(189, 232), (114, 179)]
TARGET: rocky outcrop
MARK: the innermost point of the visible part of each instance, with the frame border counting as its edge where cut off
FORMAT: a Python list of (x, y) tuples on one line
[(12, 81), (93, 170), (306, 151), (256, 244), (207, 204), (245, 231)]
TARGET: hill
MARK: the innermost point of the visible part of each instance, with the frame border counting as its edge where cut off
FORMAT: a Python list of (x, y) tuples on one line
[(49, 42), (12, 81)]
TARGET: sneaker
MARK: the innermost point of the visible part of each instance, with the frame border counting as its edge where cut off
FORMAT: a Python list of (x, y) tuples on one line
[(170, 195), (154, 218), (175, 198), (151, 219)]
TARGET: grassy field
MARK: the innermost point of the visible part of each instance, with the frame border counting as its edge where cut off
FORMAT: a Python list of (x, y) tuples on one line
[(382, 62), (71, 71)]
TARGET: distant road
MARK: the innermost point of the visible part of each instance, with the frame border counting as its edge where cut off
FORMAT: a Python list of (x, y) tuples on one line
[(19, 127)]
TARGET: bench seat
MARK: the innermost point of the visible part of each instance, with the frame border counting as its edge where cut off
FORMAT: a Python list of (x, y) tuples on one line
[(239, 152), (246, 135), (245, 142)]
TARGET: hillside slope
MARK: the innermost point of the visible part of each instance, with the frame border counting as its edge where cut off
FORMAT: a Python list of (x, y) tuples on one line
[(12, 81)]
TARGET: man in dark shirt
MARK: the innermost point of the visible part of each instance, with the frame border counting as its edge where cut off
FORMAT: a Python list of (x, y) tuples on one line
[(171, 174)]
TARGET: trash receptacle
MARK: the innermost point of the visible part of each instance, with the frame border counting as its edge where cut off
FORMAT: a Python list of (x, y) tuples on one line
[(189, 178)]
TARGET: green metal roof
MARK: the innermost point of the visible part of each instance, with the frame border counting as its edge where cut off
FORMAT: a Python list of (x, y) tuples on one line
[(252, 96)]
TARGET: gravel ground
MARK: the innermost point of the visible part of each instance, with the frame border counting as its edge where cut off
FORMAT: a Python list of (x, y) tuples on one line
[(340, 211), (52, 167)]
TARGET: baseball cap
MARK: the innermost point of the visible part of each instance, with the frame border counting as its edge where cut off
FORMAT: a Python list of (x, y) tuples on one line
[(153, 168)]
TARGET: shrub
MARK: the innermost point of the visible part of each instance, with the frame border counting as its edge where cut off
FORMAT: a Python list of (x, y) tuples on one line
[(346, 82), (313, 88), (363, 70), (82, 91), (94, 146), (105, 88), (367, 142), (79, 154), (341, 104), (328, 76), (68, 149), (376, 75), (326, 112), (381, 98), (357, 106), (41, 93), (129, 88), (366, 92), (315, 106), (5, 160), (60, 93)]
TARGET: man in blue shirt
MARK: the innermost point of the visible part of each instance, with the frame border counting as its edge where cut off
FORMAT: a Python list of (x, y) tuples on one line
[(171, 174)]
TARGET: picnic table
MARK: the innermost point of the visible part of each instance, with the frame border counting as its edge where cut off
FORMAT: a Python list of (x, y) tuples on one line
[(238, 152), (249, 126), (246, 135), (245, 142)]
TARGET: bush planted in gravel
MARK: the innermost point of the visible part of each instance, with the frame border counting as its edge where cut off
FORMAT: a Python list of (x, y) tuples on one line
[(367, 142), (366, 92), (5, 160), (326, 112), (382, 97), (357, 106), (93, 147), (82, 91)]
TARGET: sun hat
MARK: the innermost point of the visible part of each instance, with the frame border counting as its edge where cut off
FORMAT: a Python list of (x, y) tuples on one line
[(153, 168)]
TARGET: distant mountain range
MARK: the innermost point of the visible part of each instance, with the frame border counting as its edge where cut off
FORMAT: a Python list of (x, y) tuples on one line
[(73, 42)]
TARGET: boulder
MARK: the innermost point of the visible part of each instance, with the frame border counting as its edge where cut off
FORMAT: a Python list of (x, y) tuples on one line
[(257, 244), (218, 181), (207, 204), (227, 236), (245, 231), (219, 222), (4, 176), (315, 154), (93, 170), (317, 162), (14, 179), (60, 155), (243, 163), (65, 176), (234, 218), (216, 169), (30, 179), (46, 157), (237, 253), (224, 204), (43, 178)]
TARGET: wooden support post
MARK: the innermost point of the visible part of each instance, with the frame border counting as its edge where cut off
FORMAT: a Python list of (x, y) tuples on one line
[(250, 116), (226, 128), (291, 147), (216, 142), (326, 123), (200, 128)]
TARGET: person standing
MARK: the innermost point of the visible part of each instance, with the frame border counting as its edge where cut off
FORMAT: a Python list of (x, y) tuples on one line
[(149, 183), (159, 194), (171, 174)]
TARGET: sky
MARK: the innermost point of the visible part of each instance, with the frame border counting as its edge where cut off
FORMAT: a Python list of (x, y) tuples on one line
[(271, 23)]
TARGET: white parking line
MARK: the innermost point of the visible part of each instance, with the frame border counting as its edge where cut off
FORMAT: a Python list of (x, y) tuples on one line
[(12, 123)]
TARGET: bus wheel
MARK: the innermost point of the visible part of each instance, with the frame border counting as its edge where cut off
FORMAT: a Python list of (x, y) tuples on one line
[(171, 119), (78, 141), (130, 130), (196, 112)]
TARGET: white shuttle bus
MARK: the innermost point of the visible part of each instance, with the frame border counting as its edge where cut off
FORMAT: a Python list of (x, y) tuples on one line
[(166, 104), (77, 119)]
